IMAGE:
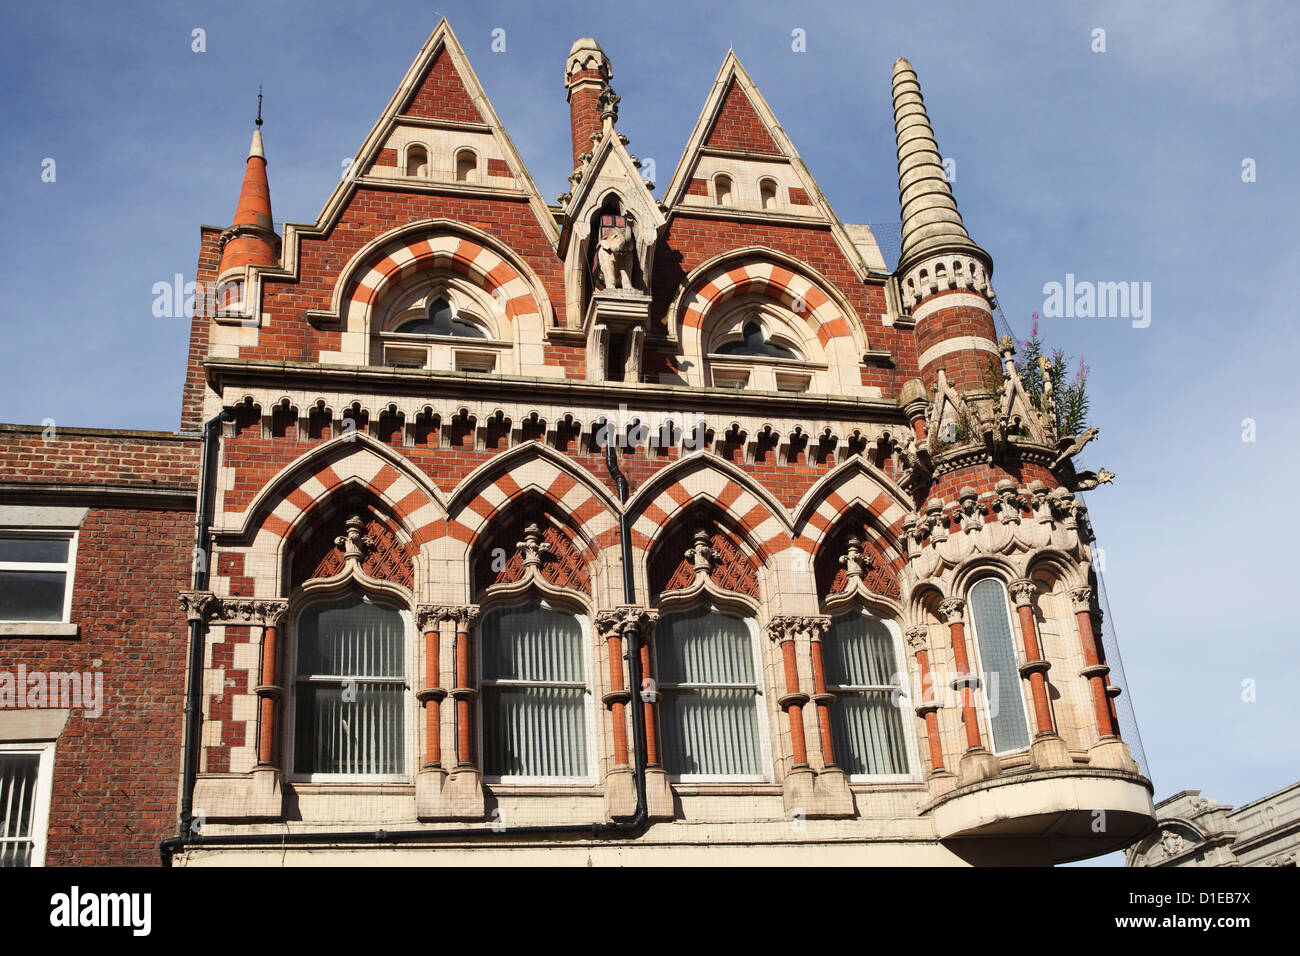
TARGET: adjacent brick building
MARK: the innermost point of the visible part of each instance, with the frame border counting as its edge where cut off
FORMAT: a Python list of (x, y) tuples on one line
[(620, 529)]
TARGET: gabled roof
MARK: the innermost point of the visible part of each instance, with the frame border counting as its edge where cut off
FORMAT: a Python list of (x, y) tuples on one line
[(611, 166), (737, 120), (441, 88)]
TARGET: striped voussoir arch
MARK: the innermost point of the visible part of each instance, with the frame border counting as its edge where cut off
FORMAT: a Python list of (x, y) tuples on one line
[(886, 513), (420, 514), (755, 518), (596, 525), (776, 282), (447, 252)]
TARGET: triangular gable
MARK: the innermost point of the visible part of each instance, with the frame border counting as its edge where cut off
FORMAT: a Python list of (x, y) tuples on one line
[(737, 120), (441, 94), (738, 126), (440, 65)]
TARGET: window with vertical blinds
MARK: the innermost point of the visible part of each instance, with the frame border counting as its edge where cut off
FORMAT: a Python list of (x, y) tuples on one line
[(990, 615), (23, 808), (862, 673), (351, 690), (534, 693), (709, 708)]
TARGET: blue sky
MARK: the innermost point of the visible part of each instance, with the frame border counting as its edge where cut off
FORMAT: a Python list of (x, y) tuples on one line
[(1123, 165)]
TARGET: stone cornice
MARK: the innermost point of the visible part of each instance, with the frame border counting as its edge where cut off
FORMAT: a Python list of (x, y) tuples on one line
[(458, 386)]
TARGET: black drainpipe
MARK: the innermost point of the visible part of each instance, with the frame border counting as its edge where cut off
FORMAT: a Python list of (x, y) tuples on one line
[(630, 828)]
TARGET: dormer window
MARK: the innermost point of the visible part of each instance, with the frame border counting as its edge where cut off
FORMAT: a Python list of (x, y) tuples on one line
[(417, 161), (466, 166), (755, 341), (440, 319)]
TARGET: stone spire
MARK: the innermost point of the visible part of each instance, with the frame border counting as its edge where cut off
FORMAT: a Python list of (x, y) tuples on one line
[(251, 238), (931, 222)]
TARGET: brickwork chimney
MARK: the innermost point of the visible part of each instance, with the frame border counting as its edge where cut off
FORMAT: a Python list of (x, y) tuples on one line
[(586, 76)]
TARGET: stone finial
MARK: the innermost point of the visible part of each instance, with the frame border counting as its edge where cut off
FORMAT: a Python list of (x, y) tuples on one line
[(855, 561), (533, 546), (702, 554), (353, 543), (931, 222)]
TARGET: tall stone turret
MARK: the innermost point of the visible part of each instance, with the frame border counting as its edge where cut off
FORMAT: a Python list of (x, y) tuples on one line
[(943, 276)]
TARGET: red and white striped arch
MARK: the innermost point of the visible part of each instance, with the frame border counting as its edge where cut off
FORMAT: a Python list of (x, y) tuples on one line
[(854, 482), (288, 500), (445, 252), (766, 532), (826, 316), (478, 500)]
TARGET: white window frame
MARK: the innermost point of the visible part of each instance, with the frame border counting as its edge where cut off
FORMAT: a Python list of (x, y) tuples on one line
[(291, 704), (589, 725), (1013, 627), (68, 568), (899, 692), (40, 824), (760, 701)]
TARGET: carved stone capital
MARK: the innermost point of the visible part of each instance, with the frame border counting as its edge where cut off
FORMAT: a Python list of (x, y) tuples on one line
[(1022, 591), (789, 627), (427, 616), (626, 617), (197, 605), (1081, 599), (952, 610), (917, 638)]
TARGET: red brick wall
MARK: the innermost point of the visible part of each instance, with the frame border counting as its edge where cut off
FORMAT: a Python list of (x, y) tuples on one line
[(116, 776), (584, 110), (98, 456), (965, 369), (442, 96), (738, 126), (200, 333)]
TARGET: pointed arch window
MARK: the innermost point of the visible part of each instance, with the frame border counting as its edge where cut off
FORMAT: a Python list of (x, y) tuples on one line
[(862, 671), (990, 614), (440, 318), (351, 690), (709, 712), (535, 699)]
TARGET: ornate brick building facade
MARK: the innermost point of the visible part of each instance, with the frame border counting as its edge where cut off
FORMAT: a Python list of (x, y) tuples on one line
[(621, 529)]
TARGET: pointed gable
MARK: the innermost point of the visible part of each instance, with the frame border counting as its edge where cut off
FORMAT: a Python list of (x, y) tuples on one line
[(739, 127), (441, 94)]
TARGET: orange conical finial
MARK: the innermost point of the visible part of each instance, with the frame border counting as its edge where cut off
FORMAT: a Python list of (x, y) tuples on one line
[(251, 238)]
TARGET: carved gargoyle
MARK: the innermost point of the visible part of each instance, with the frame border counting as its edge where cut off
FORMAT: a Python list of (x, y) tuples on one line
[(1088, 480), (1070, 446)]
